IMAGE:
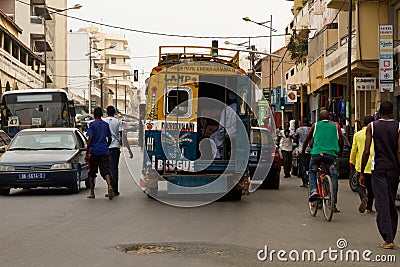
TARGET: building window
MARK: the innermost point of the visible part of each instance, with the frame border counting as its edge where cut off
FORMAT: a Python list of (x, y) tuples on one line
[(113, 60), (114, 44), (291, 72)]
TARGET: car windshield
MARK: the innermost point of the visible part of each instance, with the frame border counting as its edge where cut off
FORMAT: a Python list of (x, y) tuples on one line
[(43, 141), (261, 137)]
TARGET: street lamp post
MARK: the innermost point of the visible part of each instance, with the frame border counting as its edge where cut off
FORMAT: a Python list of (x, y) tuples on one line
[(251, 59), (270, 43), (54, 10)]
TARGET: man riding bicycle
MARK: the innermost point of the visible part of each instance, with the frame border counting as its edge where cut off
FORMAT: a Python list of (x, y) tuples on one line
[(325, 148)]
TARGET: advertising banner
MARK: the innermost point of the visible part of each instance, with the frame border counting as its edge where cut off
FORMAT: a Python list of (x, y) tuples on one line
[(386, 81)]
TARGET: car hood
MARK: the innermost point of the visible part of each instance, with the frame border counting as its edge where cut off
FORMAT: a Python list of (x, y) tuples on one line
[(37, 156)]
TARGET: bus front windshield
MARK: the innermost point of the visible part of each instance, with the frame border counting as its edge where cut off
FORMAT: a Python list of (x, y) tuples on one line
[(50, 110)]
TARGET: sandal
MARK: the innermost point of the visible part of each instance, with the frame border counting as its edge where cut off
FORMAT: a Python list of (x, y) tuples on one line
[(386, 245), (110, 194), (91, 196)]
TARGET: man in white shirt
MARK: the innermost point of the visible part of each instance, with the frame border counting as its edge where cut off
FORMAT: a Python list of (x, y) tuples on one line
[(285, 140), (227, 126), (114, 148)]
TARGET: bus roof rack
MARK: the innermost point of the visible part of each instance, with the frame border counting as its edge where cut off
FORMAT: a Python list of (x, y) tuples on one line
[(170, 55)]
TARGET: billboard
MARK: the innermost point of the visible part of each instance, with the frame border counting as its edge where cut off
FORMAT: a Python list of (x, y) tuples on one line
[(386, 80)]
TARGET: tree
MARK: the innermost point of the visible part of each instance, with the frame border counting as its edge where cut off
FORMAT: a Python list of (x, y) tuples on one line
[(298, 46)]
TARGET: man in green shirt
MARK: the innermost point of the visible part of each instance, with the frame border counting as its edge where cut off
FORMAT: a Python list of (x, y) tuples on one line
[(325, 148)]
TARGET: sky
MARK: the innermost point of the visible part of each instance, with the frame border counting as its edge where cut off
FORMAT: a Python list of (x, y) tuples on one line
[(200, 18)]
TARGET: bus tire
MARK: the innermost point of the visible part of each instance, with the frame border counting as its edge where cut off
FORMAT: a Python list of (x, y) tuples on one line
[(5, 191)]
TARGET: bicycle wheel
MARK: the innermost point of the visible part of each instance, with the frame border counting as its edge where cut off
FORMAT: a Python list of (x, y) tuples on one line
[(327, 200)]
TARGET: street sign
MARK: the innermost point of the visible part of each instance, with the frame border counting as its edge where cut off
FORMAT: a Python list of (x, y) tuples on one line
[(365, 83), (386, 80), (267, 94)]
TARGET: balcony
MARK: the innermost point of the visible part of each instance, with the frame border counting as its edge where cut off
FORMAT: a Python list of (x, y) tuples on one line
[(119, 67), (337, 4), (118, 53), (336, 57)]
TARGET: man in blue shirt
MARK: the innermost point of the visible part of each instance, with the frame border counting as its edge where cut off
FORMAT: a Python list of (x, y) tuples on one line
[(99, 139)]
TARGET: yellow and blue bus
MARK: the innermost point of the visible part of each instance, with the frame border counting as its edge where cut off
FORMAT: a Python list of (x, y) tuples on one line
[(197, 124)]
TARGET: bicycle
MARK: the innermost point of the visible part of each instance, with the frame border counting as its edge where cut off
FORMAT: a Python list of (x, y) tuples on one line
[(325, 191)]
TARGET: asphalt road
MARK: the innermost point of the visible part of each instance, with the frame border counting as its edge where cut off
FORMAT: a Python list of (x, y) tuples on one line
[(49, 227)]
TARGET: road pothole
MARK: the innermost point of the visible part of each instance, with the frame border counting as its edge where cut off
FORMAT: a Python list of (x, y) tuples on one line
[(223, 253), (148, 249)]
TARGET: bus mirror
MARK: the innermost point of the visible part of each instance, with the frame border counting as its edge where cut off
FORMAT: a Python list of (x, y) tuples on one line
[(40, 108)]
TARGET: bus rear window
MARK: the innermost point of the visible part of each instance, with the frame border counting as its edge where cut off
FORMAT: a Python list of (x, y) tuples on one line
[(178, 101)]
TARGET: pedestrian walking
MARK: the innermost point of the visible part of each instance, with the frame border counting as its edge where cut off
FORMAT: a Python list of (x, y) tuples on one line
[(285, 140), (365, 192), (125, 139), (114, 148), (385, 170), (304, 158), (99, 138)]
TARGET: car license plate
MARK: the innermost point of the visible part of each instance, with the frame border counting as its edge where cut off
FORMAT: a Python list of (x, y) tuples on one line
[(37, 175)]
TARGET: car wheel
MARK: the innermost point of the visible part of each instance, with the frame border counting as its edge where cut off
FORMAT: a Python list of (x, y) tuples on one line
[(5, 191), (76, 184), (353, 180)]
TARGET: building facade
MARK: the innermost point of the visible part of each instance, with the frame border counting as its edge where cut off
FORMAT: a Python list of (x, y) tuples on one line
[(326, 67), (20, 67), (106, 63), (44, 32)]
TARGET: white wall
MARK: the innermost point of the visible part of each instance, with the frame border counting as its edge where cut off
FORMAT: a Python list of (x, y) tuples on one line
[(78, 63)]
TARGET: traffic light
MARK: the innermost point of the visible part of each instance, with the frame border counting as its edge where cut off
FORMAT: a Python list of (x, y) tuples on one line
[(267, 94), (135, 75), (282, 104), (214, 49)]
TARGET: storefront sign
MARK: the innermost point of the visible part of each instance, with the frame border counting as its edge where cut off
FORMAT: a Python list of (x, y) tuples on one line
[(386, 82), (365, 83)]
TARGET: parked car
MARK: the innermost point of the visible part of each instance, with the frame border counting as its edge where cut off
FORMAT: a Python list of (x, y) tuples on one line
[(4, 141), (45, 157), (133, 137), (264, 155)]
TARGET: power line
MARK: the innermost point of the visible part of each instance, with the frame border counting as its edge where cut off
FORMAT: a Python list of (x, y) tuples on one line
[(159, 33), (87, 59)]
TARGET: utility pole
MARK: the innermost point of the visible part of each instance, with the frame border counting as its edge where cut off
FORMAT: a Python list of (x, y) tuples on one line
[(125, 99), (270, 52), (45, 46), (348, 91), (90, 76), (101, 90), (116, 93)]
